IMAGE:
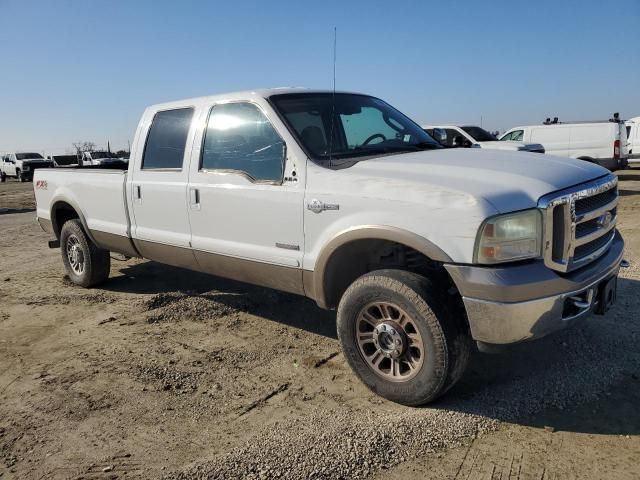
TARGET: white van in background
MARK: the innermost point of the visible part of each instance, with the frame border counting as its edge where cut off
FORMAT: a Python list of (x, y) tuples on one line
[(633, 139), (472, 136), (602, 142)]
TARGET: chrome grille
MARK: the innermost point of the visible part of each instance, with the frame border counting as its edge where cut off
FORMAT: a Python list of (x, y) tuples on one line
[(579, 223)]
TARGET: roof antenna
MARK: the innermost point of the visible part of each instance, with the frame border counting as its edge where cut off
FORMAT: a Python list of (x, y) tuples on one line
[(333, 98)]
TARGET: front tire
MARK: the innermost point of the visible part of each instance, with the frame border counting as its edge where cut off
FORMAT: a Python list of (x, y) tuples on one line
[(3, 177), (85, 263), (403, 337)]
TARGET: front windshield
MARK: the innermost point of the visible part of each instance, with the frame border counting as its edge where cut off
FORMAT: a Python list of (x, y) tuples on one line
[(479, 134), (28, 156), (348, 126)]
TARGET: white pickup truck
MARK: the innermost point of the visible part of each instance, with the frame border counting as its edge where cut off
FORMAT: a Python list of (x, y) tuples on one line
[(471, 136), (342, 198), (100, 158), (21, 165)]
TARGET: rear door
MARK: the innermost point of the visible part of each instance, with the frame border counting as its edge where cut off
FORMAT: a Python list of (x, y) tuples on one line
[(9, 165), (159, 187), (633, 139)]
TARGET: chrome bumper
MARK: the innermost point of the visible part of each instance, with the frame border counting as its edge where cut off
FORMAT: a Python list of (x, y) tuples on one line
[(524, 302)]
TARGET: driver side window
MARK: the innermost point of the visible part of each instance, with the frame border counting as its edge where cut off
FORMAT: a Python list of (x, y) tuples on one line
[(358, 127), (515, 135), (239, 137)]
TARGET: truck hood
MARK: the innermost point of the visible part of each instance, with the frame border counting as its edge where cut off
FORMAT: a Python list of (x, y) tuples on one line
[(508, 181)]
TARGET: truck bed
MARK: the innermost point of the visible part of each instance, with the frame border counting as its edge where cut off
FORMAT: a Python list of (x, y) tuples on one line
[(97, 194)]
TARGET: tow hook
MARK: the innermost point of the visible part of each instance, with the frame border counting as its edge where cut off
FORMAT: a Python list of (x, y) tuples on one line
[(625, 263)]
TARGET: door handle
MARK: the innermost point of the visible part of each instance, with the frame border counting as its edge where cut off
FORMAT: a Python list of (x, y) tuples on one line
[(194, 193), (138, 193)]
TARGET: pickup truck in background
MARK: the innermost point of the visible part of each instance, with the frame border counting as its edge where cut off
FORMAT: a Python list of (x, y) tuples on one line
[(471, 136), (340, 197), (601, 142), (21, 165), (98, 158)]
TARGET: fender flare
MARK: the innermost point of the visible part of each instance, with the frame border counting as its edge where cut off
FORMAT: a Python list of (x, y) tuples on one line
[(76, 208), (315, 281)]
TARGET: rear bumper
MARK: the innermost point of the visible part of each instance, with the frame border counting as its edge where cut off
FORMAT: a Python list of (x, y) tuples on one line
[(524, 302)]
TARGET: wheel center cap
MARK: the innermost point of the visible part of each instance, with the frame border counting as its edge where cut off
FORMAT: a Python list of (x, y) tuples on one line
[(389, 339)]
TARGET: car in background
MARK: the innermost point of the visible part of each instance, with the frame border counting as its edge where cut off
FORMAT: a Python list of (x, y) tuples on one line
[(472, 136), (21, 165), (633, 139), (601, 142)]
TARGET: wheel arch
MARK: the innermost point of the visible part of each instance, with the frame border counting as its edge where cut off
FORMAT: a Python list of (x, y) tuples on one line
[(358, 250), (64, 210)]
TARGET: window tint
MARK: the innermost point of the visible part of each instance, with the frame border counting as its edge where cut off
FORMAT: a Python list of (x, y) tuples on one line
[(167, 138), (239, 137), (479, 134), (454, 138)]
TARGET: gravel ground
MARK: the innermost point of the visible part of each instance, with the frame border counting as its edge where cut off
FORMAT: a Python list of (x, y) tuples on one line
[(174, 374)]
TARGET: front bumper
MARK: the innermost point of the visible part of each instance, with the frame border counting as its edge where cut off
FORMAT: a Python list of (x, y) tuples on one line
[(523, 302)]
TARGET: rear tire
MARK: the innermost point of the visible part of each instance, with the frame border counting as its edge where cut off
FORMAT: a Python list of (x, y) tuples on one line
[(85, 263), (433, 342), (3, 177)]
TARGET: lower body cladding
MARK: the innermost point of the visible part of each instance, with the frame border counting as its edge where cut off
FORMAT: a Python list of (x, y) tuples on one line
[(523, 302)]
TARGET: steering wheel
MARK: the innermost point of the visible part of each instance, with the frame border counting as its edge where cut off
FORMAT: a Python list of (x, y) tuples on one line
[(375, 135)]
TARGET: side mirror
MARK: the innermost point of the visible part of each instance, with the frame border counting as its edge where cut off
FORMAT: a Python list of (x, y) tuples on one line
[(440, 134)]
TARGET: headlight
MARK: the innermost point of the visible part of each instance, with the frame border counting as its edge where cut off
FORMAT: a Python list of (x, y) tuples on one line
[(25, 168), (505, 238)]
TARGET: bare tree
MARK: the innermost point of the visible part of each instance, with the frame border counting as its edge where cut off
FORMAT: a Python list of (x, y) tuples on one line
[(83, 147)]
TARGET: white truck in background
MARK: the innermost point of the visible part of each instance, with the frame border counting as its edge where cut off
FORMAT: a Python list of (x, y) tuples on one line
[(21, 165), (343, 199), (97, 158), (633, 139), (472, 136), (600, 142)]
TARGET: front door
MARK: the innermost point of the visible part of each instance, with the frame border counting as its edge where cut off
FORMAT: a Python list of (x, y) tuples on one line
[(9, 166), (158, 191), (245, 200)]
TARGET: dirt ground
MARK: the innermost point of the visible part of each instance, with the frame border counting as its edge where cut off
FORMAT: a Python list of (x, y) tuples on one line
[(167, 373)]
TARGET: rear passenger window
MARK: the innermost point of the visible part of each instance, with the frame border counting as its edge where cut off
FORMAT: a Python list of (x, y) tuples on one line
[(167, 139), (239, 137)]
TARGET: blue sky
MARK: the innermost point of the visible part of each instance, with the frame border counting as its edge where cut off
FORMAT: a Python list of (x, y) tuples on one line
[(85, 70)]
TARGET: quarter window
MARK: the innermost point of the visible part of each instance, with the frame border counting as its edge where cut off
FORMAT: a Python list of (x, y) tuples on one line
[(167, 139), (239, 137)]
